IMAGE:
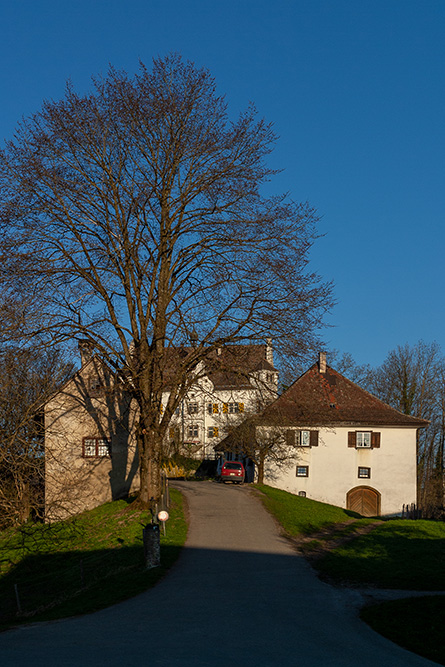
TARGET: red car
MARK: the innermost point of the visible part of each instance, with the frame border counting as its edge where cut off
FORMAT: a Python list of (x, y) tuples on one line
[(232, 471)]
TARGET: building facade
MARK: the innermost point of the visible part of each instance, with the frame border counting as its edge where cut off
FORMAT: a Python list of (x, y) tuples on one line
[(90, 424), (345, 447)]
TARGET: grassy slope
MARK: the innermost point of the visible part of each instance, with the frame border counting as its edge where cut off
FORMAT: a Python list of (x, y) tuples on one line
[(302, 516), (395, 554), (84, 564)]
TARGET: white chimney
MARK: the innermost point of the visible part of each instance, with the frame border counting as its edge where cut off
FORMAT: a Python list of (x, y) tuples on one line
[(322, 362), (269, 351)]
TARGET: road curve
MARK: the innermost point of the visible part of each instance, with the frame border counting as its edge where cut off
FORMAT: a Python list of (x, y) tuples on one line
[(239, 595)]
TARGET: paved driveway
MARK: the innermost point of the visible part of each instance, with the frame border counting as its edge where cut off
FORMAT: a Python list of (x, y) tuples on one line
[(239, 595)]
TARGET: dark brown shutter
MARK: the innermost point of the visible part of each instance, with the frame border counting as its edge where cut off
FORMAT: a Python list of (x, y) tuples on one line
[(375, 439), (314, 439), (290, 438), (351, 439)]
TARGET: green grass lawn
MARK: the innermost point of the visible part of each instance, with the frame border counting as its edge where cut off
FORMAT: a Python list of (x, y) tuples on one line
[(83, 564), (302, 516), (417, 624), (395, 554)]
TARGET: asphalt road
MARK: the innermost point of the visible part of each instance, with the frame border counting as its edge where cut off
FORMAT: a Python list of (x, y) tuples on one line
[(239, 595)]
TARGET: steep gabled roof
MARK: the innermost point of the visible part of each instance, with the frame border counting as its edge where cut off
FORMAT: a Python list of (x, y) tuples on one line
[(230, 366), (329, 399)]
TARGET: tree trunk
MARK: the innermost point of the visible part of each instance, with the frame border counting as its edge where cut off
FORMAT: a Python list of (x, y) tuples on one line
[(149, 445), (260, 469)]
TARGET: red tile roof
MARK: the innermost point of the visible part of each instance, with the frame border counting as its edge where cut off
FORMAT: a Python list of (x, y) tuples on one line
[(331, 399)]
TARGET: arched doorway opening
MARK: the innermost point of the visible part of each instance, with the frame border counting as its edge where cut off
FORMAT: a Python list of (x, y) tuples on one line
[(364, 500)]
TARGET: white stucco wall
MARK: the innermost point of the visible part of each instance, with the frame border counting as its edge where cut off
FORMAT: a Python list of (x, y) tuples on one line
[(224, 421), (333, 468)]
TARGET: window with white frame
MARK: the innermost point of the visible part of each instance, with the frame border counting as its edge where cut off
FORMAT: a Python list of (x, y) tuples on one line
[(233, 408), (363, 439), (302, 471), (304, 438), (213, 432), (364, 473), (193, 431), (96, 448), (193, 408)]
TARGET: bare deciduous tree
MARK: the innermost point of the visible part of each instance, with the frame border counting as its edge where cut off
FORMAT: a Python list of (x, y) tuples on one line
[(263, 446), (412, 379), (27, 378), (134, 215)]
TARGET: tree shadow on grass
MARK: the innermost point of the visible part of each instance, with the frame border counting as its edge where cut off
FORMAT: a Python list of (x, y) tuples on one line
[(397, 560), (50, 586)]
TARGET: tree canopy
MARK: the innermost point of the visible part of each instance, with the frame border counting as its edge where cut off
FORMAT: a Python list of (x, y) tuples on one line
[(134, 215)]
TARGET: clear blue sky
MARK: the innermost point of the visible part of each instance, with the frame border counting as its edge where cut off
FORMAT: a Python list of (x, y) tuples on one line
[(356, 92)]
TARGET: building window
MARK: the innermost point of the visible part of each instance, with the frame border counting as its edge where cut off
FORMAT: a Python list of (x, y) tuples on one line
[(213, 432), (303, 438), (364, 473), (212, 408), (302, 471), (94, 448), (94, 387), (193, 408), (363, 439), (193, 431), (302, 494)]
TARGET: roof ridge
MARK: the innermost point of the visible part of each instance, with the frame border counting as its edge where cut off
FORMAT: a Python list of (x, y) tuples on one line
[(312, 397)]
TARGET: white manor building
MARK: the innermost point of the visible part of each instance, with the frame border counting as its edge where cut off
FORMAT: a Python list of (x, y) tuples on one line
[(345, 447), (239, 381)]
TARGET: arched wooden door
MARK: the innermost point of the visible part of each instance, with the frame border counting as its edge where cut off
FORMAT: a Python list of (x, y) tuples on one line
[(364, 500)]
